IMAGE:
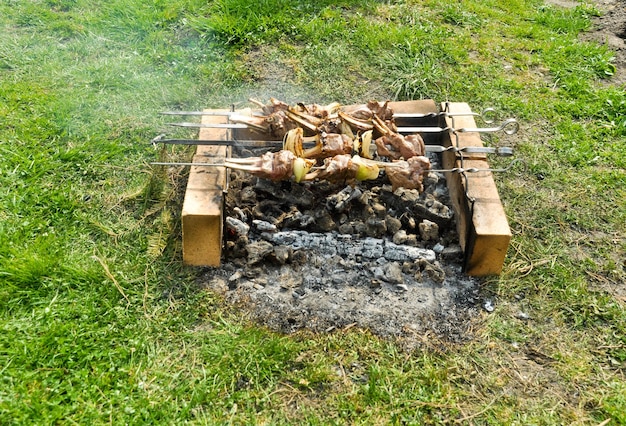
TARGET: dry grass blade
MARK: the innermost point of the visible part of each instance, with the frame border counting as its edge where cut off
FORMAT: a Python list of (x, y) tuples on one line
[(111, 277), (472, 416)]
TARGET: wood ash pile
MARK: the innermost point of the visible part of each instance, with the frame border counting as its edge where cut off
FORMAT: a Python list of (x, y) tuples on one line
[(325, 256)]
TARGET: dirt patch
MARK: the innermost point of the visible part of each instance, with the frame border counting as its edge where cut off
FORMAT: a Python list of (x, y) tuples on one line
[(563, 3), (610, 29)]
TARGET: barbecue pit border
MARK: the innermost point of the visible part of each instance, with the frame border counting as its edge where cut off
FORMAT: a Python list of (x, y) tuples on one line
[(484, 233)]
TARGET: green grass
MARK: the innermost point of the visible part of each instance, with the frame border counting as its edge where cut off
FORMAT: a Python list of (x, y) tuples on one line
[(99, 321)]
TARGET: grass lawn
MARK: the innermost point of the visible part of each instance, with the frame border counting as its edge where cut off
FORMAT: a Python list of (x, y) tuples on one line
[(99, 321)]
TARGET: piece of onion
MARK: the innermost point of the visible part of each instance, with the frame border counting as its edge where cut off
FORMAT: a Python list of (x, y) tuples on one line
[(367, 170), (301, 167)]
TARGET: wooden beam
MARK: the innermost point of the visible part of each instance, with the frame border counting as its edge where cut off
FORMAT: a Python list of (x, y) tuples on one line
[(202, 213), (484, 232)]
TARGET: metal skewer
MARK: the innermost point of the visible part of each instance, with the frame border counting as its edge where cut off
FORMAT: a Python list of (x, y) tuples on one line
[(453, 170), (209, 113), (211, 125), (510, 127), (487, 115), (218, 142), (500, 151)]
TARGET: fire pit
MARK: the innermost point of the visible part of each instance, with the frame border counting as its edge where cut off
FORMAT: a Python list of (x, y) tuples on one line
[(481, 224), (328, 255)]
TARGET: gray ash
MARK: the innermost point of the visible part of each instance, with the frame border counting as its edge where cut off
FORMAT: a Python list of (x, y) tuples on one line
[(323, 257)]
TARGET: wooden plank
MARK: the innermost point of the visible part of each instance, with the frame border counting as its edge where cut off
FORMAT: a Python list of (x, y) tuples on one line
[(424, 106), (202, 211), (483, 228)]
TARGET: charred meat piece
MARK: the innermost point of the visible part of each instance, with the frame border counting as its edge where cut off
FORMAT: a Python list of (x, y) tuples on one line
[(362, 113), (276, 124), (329, 145), (279, 123), (375, 115), (319, 111), (381, 110), (395, 146), (408, 174), (275, 119), (333, 125), (273, 106), (367, 112), (279, 117), (339, 168), (276, 166)]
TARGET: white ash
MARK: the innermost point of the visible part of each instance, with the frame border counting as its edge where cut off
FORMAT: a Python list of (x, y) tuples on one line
[(237, 226), (322, 257), (348, 246)]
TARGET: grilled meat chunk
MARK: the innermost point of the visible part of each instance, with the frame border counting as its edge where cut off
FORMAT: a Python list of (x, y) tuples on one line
[(395, 146), (409, 173)]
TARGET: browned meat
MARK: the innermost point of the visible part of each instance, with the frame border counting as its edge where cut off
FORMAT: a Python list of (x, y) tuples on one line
[(395, 146), (408, 174), (417, 142), (339, 168), (319, 111), (275, 165), (381, 109), (279, 124), (330, 144), (367, 112), (330, 125), (273, 106), (362, 113)]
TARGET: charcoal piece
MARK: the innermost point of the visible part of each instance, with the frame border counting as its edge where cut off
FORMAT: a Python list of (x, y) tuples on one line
[(346, 228), (359, 227), (236, 226), (263, 226), (411, 240), (435, 272), (378, 273), (268, 188), (400, 237), (379, 210), (393, 273), (340, 201), (453, 253), (429, 231), (282, 254), (247, 196), (375, 227), (295, 219), (257, 251), (408, 221), (323, 221), (423, 206), (268, 210), (301, 197), (393, 224)]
